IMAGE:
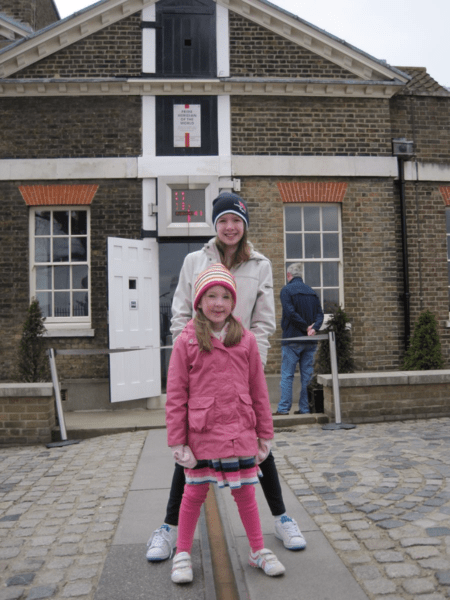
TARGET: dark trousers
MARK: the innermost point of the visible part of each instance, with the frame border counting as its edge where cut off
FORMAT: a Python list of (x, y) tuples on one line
[(269, 482)]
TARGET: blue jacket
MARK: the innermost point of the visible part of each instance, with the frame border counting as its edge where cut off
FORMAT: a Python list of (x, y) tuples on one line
[(301, 308)]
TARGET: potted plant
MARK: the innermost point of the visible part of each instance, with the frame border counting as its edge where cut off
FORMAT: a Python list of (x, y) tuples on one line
[(337, 322), (424, 350), (33, 366)]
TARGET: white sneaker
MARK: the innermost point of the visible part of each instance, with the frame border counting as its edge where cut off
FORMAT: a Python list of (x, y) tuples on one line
[(162, 543), (266, 560), (182, 568), (287, 530)]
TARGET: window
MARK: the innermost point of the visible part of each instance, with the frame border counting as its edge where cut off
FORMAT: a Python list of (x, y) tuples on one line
[(313, 237), (60, 275)]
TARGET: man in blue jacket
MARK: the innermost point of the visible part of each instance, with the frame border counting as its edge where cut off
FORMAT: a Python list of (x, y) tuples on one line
[(302, 316)]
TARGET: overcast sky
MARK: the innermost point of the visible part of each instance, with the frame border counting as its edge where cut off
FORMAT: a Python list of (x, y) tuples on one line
[(405, 33)]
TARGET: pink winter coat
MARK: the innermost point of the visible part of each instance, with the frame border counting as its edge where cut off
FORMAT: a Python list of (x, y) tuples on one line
[(217, 402)]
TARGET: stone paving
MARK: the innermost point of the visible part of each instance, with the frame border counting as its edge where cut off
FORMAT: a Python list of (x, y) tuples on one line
[(381, 495), (379, 492), (59, 510)]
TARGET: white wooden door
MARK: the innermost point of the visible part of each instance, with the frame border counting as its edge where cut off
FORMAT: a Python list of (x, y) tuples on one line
[(133, 305)]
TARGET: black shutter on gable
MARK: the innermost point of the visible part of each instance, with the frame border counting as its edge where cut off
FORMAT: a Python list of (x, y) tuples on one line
[(186, 38)]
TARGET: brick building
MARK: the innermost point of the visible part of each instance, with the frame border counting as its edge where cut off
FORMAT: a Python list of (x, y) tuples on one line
[(122, 122)]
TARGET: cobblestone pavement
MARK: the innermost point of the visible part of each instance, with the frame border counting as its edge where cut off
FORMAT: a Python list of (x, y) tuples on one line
[(59, 510), (381, 495)]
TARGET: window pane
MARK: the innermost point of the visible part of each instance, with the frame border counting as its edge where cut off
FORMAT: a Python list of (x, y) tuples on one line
[(62, 304), (293, 215), (42, 250), (45, 302), (80, 277), (330, 245), (62, 278), (330, 300), (60, 222), (61, 249), (79, 222), (312, 245), (312, 274), (312, 218), (330, 217), (79, 252), (43, 278), (42, 223), (448, 247), (331, 274), (80, 304), (447, 216), (293, 245)]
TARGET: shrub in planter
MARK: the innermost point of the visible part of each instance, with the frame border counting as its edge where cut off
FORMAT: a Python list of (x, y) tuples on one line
[(33, 364), (424, 351), (344, 353)]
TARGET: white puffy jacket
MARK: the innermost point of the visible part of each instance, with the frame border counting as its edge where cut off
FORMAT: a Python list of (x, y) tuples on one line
[(255, 301)]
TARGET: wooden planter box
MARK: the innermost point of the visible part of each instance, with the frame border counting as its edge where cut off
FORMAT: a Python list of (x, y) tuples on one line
[(27, 413)]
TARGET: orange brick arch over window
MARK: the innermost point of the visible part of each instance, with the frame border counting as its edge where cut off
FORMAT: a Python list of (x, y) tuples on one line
[(57, 195), (312, 191), (445, 191)]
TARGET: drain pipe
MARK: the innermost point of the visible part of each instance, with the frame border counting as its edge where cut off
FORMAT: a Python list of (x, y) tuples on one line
[(403, 150)]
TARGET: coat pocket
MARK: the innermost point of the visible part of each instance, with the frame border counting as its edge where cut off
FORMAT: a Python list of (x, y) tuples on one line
[(201, 413), (247, 412)]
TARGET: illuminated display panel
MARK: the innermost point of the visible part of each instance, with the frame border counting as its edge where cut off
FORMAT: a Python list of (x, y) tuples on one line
[(188, 206)]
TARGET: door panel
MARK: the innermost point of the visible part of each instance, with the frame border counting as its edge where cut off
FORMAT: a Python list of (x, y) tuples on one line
[(133, 300)]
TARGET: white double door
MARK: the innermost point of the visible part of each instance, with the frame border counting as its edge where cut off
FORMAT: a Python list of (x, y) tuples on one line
[(133, 314)]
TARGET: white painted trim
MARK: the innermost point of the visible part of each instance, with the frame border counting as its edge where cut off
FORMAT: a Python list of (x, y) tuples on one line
[(222, 41), (310, 166), (224, 125), (169, 166), (149, 41), (149, 126), (65, 332), (150, 166), (148, 198), (68, 168), (427, 171)]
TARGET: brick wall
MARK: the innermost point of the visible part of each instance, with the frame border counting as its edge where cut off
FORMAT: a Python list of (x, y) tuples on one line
[(26, 421), (425, 121), (310, 126), (378, 403), (257, 52), (35, 13), (70, 127), (373, 268), (96, 55), (115, 212), (427, 252)]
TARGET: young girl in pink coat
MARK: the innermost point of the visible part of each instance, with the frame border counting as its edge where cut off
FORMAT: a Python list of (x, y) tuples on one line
[(218, 416)]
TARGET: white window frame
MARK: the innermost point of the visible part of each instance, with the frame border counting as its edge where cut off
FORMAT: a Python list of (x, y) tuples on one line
[(304, 260), (62, 326)]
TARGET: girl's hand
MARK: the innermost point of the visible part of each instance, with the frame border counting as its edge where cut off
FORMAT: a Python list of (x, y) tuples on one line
[(184, 456), (263, 450)]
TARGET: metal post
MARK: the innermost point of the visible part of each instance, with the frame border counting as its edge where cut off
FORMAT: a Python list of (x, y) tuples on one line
[(335, 378), (62, 425)]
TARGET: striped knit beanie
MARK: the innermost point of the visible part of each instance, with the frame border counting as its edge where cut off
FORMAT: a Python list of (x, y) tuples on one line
[(214, 275)]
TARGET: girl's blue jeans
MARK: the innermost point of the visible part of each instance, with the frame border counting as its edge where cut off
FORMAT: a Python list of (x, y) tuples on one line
[(301, 353)]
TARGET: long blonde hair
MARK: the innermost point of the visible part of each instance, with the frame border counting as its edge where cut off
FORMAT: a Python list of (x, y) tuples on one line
[(203, 331), (241, 255)]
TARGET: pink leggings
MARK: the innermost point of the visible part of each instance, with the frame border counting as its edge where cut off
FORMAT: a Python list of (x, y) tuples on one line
[(191, 504)]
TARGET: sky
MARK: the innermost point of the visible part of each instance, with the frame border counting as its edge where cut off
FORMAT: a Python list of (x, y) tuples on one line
[(405, 33)]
